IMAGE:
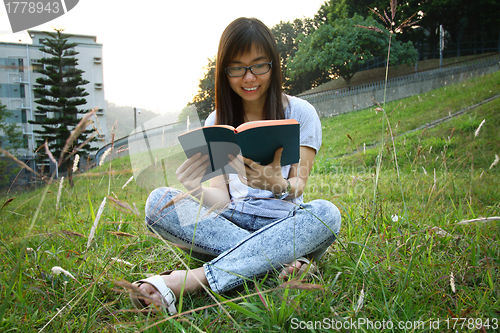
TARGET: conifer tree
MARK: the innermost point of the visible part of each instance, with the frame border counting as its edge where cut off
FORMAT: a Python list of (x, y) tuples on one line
[(61, 93)]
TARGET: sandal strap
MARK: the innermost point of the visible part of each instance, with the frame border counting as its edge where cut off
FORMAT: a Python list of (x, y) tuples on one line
[(168, 296), (308, 267), (304, 260)]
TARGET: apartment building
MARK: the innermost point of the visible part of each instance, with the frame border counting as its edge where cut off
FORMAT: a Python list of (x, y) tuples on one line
[(18, 65)]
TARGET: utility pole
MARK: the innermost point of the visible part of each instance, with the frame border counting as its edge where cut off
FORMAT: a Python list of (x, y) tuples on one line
[(441, 45), (135, 118)]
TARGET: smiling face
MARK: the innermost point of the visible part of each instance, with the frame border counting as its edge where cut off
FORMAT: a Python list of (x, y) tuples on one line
[(251, 88)]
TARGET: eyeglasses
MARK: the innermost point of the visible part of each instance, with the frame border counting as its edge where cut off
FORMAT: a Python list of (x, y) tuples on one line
[(256, 69)]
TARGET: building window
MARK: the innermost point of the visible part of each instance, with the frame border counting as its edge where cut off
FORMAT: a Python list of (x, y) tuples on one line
[(38, 95), (40, 117), (36, 67), (26, 141), (15, 90), (21, 65)]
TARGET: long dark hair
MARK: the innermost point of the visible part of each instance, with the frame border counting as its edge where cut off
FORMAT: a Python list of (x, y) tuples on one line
[(238, 38)]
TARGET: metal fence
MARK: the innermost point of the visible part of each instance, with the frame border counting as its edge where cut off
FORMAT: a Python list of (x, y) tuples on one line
[(404, 79), (121, 145), (451, 50)]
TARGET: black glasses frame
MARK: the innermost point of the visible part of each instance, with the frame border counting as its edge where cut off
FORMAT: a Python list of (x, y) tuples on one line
[(250, 68)]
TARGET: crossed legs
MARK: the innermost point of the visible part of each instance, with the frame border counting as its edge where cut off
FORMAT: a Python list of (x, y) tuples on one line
[(239, 253)]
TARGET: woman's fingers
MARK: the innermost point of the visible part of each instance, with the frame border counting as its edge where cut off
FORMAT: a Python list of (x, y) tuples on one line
[(277, 156), (240, 167), (244, 166), (249, 172), (237, 163), (193, 162), (244, 180), (253, 174), (192, 170)]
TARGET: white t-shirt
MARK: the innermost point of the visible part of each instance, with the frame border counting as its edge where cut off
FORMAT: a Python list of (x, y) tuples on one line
[(261, 202)]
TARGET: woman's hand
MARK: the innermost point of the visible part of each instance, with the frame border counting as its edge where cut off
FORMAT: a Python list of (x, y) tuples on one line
[(264, 177), (192, 170)]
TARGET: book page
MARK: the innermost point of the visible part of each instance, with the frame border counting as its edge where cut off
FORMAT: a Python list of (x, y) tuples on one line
[(260, 143), (264, 123)]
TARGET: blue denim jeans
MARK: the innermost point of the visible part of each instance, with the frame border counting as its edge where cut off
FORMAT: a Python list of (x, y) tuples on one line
[(241, 246)]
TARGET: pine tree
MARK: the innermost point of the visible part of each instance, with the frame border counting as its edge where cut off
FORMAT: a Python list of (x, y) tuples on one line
[(62, 94)]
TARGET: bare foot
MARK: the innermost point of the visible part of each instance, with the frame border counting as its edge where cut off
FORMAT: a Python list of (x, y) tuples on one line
[(290, 269), (176, 281)]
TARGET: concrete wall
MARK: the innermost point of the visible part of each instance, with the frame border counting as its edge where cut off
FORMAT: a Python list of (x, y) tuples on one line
[(339, 105)]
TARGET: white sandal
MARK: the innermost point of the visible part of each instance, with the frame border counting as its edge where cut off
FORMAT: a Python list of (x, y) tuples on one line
[(168, 296), (308, 267)]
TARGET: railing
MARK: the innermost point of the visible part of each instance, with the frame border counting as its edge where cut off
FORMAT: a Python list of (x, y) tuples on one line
[(451, 50), (461, 49), (123, 143), (419, 76)]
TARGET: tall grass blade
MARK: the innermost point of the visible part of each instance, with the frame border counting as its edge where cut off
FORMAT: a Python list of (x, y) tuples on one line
[(96, 222), (59, 193)]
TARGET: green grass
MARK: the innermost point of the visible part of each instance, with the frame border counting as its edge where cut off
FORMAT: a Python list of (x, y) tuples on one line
[(402, 265), (346, 133)]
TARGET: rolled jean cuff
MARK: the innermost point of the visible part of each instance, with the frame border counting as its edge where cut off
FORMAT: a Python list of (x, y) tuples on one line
[(212, 282)]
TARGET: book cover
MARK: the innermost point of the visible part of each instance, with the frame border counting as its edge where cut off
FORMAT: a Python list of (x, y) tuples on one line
[(256, 140)]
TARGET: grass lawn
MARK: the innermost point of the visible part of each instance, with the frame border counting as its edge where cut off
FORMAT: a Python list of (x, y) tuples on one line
[(415, 252)]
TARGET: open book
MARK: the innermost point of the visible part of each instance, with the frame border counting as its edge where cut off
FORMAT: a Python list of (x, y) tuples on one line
[(256, 140)]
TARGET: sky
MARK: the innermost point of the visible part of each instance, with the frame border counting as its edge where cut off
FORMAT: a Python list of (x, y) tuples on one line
[(155, 51)]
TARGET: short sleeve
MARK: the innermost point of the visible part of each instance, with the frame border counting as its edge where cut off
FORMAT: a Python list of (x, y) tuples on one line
[(310, 125), (210, 121)]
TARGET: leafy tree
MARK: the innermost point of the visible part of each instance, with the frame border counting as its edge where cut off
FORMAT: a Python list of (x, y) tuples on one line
[(333, 10), (190, 111), (287, 36), (10, 135), (463, 20), (62, 94), (341, 49), (205, 98), (11, 138)]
